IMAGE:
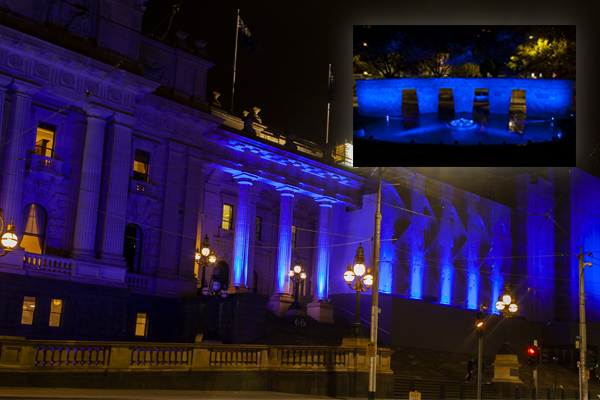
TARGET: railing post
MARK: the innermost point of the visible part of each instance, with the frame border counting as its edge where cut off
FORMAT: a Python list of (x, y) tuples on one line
[(442, 390), (533, 394), (411, 385), (463, 391)]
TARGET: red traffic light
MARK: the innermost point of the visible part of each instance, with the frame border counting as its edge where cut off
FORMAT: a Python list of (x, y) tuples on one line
[(532, 351)]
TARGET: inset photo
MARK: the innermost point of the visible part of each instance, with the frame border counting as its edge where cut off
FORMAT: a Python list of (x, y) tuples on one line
[(443, 96)]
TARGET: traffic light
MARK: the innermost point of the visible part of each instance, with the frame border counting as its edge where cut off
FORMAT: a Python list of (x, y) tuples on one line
[(532, 355), (479, 325), (592, 359)]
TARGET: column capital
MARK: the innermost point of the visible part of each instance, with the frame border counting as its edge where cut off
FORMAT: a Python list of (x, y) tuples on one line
[(287, 190), (23, 88), (244, 178), (324, 201), (96, 111), (126, 120)]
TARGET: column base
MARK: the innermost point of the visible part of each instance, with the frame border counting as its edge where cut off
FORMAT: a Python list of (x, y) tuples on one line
[(78, 254), (506, 369), (279, 303), (320, 310), (237, 289)]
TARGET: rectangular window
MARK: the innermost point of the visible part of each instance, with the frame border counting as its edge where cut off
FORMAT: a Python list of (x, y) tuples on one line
[(141, 164), (294, 236), (55, 312), (227, 217), (44, 140), (258, 229), (28, 310), (140, 324)]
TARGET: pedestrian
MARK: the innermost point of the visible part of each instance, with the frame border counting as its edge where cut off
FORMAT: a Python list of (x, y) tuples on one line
[(470, 365)]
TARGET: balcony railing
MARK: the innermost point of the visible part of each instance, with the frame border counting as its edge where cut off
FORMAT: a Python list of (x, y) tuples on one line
[(45, 164), (142, 187), (48, 264), (140, 282)]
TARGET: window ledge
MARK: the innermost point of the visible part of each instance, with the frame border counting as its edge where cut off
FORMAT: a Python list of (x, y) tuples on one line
[(141, 187), (45, 164)]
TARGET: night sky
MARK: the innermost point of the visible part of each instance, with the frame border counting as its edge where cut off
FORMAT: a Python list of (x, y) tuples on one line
[(288, 81)]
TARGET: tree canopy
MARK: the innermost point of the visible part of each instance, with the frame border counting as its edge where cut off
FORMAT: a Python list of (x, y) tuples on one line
[(519, 51)]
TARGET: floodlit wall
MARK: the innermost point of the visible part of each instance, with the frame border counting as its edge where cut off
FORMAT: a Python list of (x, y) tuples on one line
[(439, 244), (544, 97)]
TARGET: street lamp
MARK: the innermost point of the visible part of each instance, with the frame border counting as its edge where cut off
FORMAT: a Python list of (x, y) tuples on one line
[(9, 239), (356, 278), (297, 275), (205, 257), (215, 290), (506, 304)]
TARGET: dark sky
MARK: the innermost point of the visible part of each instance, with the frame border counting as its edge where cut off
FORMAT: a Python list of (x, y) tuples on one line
[(299, 39)]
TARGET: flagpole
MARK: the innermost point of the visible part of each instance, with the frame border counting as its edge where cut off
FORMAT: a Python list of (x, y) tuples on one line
[(328, 105), (237, 30)]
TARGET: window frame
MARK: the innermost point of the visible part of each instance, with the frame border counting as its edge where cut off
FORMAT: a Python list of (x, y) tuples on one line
[(33, 312), (47, 127), (258, 229), (41, 235), (138, 253), (230, 222), (135, 332), (60, 314), (138, 175)]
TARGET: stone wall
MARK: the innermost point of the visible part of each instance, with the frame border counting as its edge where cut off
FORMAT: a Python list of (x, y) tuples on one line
[(544, 97)]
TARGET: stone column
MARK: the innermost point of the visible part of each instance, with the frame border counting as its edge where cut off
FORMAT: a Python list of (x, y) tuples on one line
[(191, 216), (463, 98), (19, 140), (241, 238), (281, 299), (428, 99), (115, 191), (320, 308), (499, 99), (84, 240), (167, 258)]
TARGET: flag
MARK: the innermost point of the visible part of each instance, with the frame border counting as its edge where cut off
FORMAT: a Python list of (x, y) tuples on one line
[(244, 33), (333, 90)]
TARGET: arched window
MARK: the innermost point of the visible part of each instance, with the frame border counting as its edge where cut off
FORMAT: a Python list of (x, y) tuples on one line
[(132, 249), (34, 229)]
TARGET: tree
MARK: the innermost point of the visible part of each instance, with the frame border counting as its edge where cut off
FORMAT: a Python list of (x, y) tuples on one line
[(492, 48), (381, 48), (551, 53)]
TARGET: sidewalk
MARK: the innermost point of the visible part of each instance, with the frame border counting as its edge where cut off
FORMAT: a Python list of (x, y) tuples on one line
[(58, 393)]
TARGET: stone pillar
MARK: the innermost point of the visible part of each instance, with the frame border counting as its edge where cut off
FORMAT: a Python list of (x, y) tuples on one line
[(320, 308), (241, 238), (281, 299), (428, 99), (192, 217), (84, 240), (463, 98), (499, 99), (19, 140), (167, 258), (115, 191), (506, 371)]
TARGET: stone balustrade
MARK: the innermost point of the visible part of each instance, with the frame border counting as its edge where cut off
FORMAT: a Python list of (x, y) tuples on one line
[(140, 282), (294, 369), (48, 264)]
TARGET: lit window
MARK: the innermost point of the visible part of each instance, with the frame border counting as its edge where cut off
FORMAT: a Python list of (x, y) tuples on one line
[(227, 216), (44, 140), (34, 231), (294, 235), (140, 324), (132, 248), (28, 310), (258, 229), (141, 165), (55, 312)]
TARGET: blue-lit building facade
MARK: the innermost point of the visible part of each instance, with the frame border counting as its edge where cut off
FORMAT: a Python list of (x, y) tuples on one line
[(114, 176)]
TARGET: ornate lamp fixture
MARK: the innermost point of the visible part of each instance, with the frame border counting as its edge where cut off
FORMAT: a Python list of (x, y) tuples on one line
[(359, 278), (205, 257), (297, 275), (9, 239)]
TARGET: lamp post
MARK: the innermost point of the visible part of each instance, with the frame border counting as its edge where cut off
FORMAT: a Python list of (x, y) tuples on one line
[(215, 290), (297, 275), (9, 239), (356, 278), (204, 258)]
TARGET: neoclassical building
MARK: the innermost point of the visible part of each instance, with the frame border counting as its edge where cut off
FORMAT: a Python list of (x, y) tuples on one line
[(116, 167)]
